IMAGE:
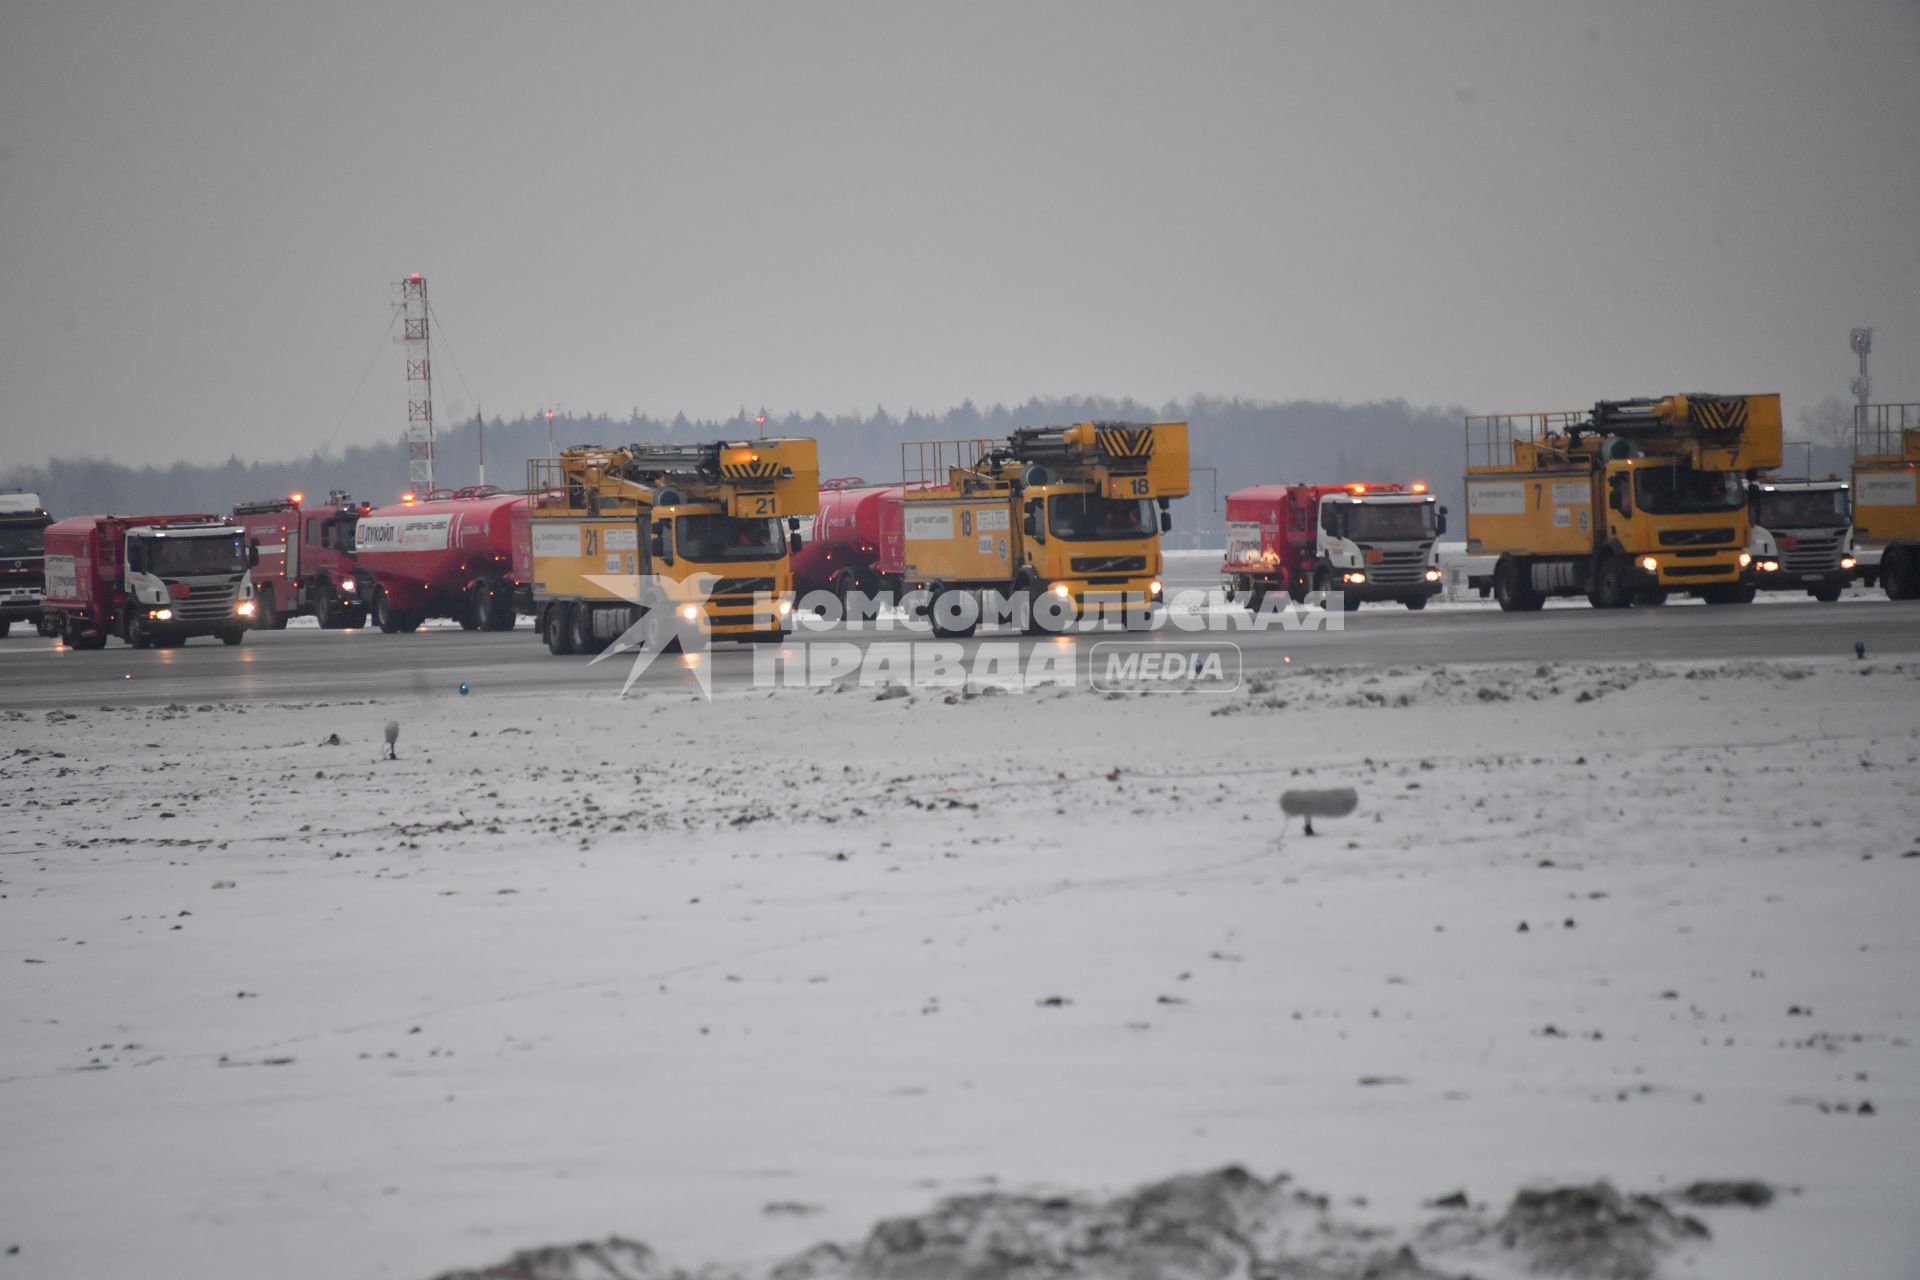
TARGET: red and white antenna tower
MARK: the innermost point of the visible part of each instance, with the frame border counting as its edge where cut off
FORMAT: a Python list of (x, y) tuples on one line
[(414, 332)]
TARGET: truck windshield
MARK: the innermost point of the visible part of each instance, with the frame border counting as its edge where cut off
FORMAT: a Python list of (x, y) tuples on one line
[(1801, 508), (17, 543), (178, 557), (1390, 521), (1088, 517), (719, 537), (1679, 491)]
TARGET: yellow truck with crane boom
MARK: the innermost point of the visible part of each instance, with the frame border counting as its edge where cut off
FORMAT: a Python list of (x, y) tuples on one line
[(1886, 494), (1073, 513), (1623, 504), (682, 536)]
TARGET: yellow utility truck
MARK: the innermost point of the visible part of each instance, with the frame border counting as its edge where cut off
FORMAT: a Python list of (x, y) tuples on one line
[(1886, 494), (1040, 526), (685, 537), (1623, 504)]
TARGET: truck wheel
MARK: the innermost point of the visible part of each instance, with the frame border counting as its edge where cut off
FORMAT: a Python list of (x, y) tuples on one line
[(6, 625), (410, 619), (662, 631), (1899, 574), (556, 628), (1256, 595), (1825, 595), (1607, 587), (329, 610), (581, 626), (1652, 597), (498, 613), (944, 632), (264, 614), (1416, 603), (137, 636), (383, 616), (234, 636), (353, 619), (1734, 594), (1297, 591)]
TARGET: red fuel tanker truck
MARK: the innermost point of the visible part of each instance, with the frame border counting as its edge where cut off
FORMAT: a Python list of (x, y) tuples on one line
[(154, 581), (857, 528), (447, 556)]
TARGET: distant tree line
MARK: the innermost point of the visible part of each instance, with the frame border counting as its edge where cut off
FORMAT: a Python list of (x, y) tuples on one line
[(1235, 443)]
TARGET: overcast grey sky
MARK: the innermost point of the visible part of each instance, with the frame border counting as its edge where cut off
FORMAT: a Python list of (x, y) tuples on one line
[(204, 206)]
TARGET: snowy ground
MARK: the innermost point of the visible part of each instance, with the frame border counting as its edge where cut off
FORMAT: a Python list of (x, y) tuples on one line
[(740, 977)]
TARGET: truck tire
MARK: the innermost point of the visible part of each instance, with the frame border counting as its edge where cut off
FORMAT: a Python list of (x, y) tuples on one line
[(6, 625), (1507, 588), (944, 632), (1607, 585), (580, 625), (557, 630), (1825, 595), (329, 609), (498, 613), (1651, 598), (265, 616), (1900, 574), (233, 636), (383, 615), (137, 635), (1729, 594), (1416, 603), (410, 619)]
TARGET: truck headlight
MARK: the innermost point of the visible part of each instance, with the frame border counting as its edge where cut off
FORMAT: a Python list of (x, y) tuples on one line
[(1353, 577), (160, 615), (1769, 566), (1847, 562), (1745, 559), (784, 608), (1062, 590), (346, 585), (244, 608), (689, 611), (1433, 575), (1650, 564), (1153, 588)]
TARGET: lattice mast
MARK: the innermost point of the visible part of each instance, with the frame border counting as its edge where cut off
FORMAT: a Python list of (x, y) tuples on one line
[(415, 333)]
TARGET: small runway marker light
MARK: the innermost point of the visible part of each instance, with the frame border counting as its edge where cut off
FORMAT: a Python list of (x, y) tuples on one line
[(1859, 650), (463, 688), (393, 736)]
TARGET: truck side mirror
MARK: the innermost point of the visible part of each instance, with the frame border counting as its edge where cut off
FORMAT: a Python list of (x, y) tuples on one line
[(136, 555), (1622, 499), (1032, 523), (658, 545), (1166, 522), (794, 543), (1440, 526), (253, 554)]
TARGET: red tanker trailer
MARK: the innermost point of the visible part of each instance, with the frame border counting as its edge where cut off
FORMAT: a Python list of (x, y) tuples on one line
[(447, 556), (855, 533)]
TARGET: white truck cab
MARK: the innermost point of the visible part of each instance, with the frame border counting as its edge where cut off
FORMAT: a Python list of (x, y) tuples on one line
[(1377, 542), (1802, 536)]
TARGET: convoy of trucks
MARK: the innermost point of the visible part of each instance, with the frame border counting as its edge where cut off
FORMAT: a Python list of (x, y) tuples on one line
[(449, 555), (23, 525), (1624, 504), (1363, 541), (1886, 494), (668, 537), (153, 581), (305, 565)]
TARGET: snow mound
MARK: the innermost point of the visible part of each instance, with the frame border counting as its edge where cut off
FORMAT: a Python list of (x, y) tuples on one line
[(1221, 1225)]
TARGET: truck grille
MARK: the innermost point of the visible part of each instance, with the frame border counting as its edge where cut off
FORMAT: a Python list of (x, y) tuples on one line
[(741, 586), (1398, 568), (1814, 553), (206, 602), (1108, 564), (1695, 537)]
